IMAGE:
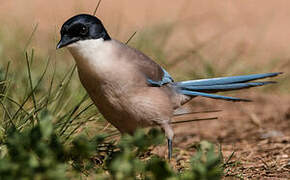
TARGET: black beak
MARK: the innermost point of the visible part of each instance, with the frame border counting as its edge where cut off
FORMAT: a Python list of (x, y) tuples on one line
[(59, 45), (65, 40)]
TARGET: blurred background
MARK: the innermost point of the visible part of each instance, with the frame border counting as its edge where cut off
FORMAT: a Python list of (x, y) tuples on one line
[(236, 37), (192, 39)]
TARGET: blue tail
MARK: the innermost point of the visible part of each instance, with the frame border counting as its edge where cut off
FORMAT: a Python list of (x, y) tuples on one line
[(202, 87)]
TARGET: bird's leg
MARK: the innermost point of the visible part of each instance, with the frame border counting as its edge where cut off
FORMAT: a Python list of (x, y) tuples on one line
[(169, 134), (169, 148)]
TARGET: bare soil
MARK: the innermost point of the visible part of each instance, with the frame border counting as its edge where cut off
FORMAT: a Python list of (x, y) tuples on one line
[(258, 133)]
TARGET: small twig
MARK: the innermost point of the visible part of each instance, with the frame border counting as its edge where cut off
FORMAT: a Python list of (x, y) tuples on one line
[(229, 158), (201, 119), (131, 37), (105, 128), (264, 162), (196, 112), (97, 7)]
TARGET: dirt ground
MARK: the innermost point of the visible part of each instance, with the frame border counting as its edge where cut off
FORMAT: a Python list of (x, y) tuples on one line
[(257, 132)]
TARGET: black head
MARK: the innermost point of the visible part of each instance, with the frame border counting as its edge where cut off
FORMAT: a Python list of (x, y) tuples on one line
[(81, 27)]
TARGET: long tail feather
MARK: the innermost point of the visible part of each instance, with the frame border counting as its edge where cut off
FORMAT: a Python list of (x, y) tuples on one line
[(225, 87), (226, 80), (202, 87), (214, 96)]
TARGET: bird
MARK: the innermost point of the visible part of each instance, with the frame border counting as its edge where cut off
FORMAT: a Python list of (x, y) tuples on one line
[(131, 90)]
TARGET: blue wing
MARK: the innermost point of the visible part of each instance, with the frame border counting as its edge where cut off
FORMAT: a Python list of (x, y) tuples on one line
[(166, 78)]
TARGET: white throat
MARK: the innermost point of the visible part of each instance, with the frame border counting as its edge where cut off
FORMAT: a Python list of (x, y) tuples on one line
[(94, 55), (86, 49)]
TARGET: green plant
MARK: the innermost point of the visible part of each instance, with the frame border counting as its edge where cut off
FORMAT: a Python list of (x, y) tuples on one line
[(35, 153)]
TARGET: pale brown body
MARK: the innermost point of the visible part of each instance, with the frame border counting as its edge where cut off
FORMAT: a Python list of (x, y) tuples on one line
[(115, 76)]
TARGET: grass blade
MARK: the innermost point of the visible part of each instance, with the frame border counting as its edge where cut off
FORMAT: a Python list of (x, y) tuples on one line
[(131, 37), (97, 7)]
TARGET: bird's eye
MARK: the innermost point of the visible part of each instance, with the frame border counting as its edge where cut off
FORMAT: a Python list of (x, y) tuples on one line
[(83, 30), (78, 30)]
